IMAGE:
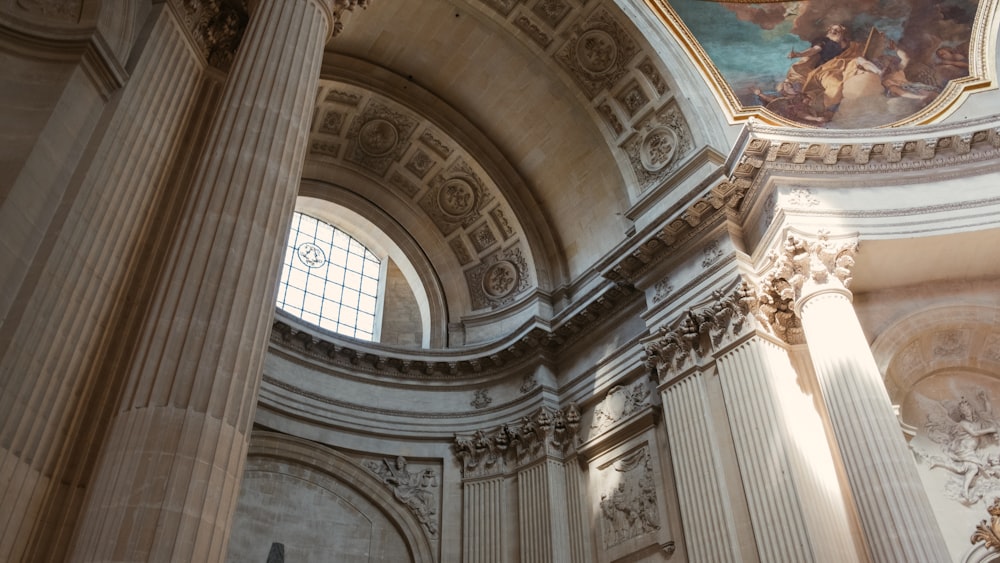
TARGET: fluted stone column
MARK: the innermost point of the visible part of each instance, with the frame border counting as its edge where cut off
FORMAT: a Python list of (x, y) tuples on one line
[(47, 371), (167, 483), (795, 518), (709, 530), (895, 515)]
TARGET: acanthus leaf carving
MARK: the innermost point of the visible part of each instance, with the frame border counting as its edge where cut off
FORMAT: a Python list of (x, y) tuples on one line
[(672, 348), (546, 432), (801, 267)]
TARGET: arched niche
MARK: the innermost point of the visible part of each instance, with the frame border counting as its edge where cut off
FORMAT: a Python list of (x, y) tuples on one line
[(941, 367), (321, 506)]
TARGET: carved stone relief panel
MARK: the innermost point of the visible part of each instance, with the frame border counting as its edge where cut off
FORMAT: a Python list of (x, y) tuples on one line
[(378, 137), (68, 10), (652, 74), (482, 237), (419, 164), (620, 402), (958, 439), (533, 30), (498, 278), (656, 148), (503, 7), (416, 488), (632, 98), (456, 197), (552, 12), (502, 223), (629, 508), (598, 52), (460, 249)]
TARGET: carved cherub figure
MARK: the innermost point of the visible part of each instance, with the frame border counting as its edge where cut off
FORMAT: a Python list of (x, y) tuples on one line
[(963, 429)]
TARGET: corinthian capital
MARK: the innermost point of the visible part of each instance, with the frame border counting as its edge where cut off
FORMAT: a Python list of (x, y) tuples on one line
[(340, 7), (800, 268)]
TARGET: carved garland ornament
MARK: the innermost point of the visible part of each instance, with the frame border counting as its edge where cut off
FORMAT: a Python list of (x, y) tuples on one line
[(546, 432)]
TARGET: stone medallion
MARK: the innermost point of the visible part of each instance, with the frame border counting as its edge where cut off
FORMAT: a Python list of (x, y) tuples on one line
[(500, 279), (311, 255), (456, 198), (597, 51), (658, 148), (377, 137)]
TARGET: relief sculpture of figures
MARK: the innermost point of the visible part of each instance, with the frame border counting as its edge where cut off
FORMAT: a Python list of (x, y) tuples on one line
[(630, 508), (412, 488), (965, 433)]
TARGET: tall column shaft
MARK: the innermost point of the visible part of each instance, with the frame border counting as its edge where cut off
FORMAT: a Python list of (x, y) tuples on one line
[(794, 516), (708, 519), (48, 370), (893, 509), (167, 482)]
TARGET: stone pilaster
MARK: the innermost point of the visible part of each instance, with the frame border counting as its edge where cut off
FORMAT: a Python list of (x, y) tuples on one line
[(812, 276), (48, 372), (166, 484), (482, 526), (708, 517), (544, 533)]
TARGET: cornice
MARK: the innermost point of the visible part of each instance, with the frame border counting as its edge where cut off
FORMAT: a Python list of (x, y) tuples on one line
[(534, 341), (875, 156)]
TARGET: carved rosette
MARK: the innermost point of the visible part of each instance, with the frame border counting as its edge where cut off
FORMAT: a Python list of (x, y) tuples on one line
[(655, 151), (598, 54), (675, 347), (217, 27), (378, 137), (490, 452), (988, 532), (498, 278), (456, 198), (802, 268)]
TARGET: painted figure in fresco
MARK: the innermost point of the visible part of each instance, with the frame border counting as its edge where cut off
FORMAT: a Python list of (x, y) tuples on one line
[(822, 50), (963, 433)]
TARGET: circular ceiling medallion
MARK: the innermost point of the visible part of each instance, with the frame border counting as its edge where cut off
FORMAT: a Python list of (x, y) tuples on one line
[(311, 255), (456, 198), (596, 51), (658, 148), (377, 137), (500, 279)]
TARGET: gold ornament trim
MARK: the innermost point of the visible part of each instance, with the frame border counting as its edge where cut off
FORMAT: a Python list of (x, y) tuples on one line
[(989, 532)]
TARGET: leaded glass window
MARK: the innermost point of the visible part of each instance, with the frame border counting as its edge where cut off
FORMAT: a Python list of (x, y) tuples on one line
[(329, 279)]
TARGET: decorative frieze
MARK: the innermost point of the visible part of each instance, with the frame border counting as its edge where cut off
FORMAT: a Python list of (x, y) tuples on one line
[(546, 432), (293, 336), (677, 346), (68, 10), (415, 489)]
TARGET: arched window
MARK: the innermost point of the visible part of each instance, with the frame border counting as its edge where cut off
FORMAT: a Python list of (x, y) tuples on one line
[(330, 279)]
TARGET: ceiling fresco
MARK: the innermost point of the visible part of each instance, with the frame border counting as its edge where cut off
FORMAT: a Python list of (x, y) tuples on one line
[(834, 63)]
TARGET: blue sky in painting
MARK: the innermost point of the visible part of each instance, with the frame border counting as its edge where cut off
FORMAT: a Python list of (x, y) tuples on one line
[(743, 52)]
